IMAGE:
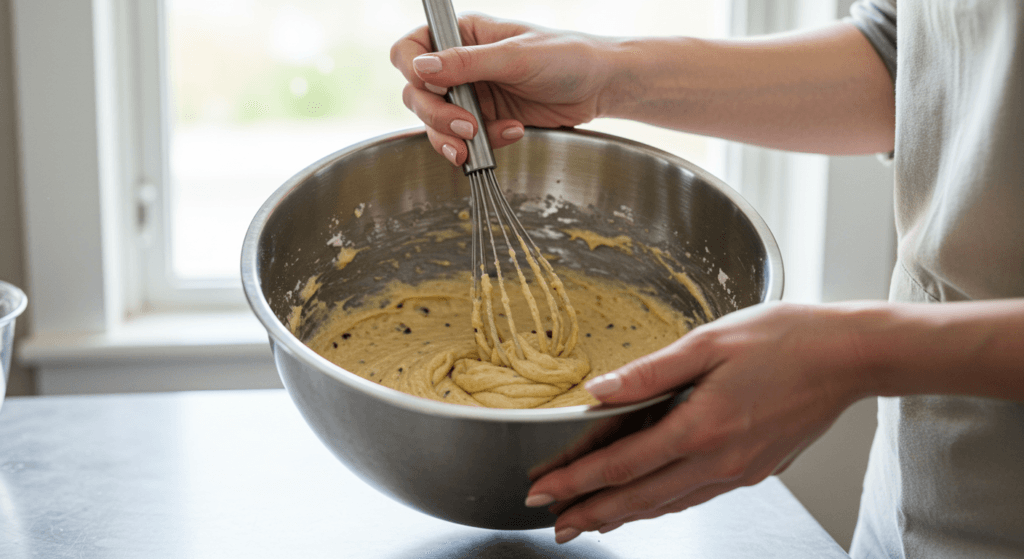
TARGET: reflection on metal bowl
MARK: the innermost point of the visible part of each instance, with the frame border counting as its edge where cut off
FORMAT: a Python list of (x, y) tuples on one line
[(473, 465)]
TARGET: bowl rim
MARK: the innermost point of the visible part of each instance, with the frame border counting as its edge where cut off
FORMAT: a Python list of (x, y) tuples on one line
[(281, 336), (8, 290)]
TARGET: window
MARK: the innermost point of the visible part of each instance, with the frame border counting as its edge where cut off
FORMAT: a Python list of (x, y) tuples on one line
[(252, 91)]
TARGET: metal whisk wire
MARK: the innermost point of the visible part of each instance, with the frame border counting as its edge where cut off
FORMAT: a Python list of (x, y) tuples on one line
[(492, 211)]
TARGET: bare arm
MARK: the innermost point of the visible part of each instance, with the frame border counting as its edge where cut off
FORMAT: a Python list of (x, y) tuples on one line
[(971, 348), (823, 90)]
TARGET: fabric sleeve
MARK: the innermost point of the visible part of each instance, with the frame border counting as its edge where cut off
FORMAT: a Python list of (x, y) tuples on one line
[(876, 19)]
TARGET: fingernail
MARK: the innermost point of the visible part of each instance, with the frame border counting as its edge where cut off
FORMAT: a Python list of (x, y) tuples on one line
[(513, 133), (462, 129), (435, 88), (450, 153), (609, 527), (427, 64), (604, 385), (566, 535), (539, 500)]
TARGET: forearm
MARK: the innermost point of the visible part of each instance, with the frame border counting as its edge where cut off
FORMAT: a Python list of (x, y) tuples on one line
[(821, 91), (969, 348)]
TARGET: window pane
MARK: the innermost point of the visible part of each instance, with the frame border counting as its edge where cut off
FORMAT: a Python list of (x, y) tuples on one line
[(262, 88)]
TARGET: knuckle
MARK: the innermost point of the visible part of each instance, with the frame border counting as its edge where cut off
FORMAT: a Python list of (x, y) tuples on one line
[(701, 340), (644, 373), (433, 121), (395, 55), (733, 467), (706, 440), (640, 503), (679, 446), (589, 520), (407, 93), (617, 473), (678, 438), (462, 57)]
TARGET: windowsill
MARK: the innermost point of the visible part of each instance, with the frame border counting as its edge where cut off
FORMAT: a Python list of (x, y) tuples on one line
[(188, 337)]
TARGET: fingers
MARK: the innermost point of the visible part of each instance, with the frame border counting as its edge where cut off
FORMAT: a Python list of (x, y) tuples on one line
[(452, 148), (438, 114), (495, 62), (667, 491), (501, 134), (449, 125), (697, 497), (504, 132), (670, 367), (413, 44), (620, 463)]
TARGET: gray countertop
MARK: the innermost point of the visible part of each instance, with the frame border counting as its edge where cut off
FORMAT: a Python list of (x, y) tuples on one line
[(238, 474)]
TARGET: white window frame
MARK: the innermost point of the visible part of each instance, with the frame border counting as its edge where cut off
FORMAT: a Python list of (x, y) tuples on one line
[(92, 199), (156, 288)]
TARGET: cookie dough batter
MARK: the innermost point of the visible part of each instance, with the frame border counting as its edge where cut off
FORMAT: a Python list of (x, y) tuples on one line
[(419, 340)]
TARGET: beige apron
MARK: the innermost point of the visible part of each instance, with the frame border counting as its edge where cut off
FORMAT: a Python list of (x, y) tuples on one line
[(946, 474)]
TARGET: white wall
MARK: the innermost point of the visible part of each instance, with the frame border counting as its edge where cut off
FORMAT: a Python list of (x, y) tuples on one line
[(860, 251), (12, 264)]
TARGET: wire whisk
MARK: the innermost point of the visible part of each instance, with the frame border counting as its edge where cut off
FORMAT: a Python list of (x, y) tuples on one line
[(494, 221), (491, 211)]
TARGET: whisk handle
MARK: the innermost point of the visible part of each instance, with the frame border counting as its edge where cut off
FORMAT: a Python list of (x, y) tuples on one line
[(444, 33)]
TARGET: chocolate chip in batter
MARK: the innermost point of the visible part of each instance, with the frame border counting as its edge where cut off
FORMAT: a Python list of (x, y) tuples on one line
[(346, 336), (424, 310), (610, 326)]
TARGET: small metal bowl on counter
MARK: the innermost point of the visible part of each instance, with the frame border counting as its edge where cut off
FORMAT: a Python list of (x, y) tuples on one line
[(465, 464), (12, 303)]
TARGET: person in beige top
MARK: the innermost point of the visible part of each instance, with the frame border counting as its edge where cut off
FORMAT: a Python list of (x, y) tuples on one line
[(945, 354)]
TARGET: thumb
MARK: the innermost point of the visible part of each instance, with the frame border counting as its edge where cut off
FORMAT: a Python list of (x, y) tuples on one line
[(493, 62), (670, 367)]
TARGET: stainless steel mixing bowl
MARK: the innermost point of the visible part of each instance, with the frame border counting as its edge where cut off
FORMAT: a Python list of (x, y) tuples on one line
[(463, 464), (12, 304)]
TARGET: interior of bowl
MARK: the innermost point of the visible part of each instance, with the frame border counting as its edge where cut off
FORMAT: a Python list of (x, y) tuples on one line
[(393, 194)]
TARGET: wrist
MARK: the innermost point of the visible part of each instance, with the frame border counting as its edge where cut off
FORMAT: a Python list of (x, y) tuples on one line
[(621, 84), (665, 81), (907, 349), (873, 329), (642, 75)]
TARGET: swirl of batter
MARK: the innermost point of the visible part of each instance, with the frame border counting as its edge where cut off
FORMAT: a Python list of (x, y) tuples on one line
[(420, 340)]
